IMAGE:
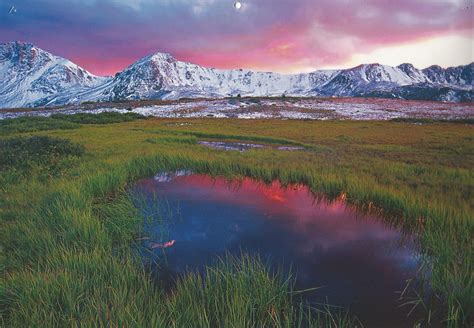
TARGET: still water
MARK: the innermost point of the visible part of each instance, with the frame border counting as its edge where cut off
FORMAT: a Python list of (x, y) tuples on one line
[(359, 261)]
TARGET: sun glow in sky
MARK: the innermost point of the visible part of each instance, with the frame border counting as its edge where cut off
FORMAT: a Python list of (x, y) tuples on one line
[(288, 36), (444, 51)]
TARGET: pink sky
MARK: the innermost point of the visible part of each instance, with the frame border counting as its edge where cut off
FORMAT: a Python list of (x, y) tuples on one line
[(276, 35)]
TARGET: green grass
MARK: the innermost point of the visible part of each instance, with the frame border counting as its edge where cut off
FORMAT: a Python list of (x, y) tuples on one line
[(24, 151), (67, 241), (36, 156), (195, 136), (218, 136), (102, 118), (430, 120), (173, 139), (242, 292), (62, 121), (31, 124)]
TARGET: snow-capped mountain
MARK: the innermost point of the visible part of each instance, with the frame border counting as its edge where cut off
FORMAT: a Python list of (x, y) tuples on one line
[(32, 77), (404, 81), (162, 76)]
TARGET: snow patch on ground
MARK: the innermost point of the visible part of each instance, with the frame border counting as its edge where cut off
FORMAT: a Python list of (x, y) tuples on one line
[(299, 109)]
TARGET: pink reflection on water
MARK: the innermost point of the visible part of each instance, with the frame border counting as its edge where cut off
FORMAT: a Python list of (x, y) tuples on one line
[(360, 261), (332, 222)]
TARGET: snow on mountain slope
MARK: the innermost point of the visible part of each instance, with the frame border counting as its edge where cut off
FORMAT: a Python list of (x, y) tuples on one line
[(371, 78), (32, 77), (461, 75), (162, 76)]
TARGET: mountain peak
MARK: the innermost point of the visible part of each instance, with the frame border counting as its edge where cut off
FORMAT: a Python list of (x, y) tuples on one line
[(17, 44), (406, 66), (162, 55), (411, 71), (30, 76), (34, 77), (19, 47), (159, 57), (24, 54)]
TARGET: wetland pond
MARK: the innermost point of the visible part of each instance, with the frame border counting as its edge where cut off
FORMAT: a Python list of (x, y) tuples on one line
[(360, 262)]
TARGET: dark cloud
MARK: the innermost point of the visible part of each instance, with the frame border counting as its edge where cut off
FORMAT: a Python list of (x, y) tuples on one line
[(106, 35)]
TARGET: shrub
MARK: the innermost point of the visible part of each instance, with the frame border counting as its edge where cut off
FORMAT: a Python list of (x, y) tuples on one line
[(31, 124), (23, 153), (101, 118)]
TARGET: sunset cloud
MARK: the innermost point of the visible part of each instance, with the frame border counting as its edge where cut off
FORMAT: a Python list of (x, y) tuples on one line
[(287, 36)]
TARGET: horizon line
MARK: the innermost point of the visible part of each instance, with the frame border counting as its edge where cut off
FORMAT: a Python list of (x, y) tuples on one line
[(233, 69)]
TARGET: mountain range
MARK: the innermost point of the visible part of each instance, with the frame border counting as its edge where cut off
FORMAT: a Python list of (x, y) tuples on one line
[(32, 77)]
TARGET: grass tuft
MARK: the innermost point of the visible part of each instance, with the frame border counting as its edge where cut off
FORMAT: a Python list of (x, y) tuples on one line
[(24, 153), (101, 118), (67, 242), (32, 124)]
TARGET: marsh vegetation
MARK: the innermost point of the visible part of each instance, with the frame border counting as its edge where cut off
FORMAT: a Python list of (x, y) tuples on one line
[(68, 239)]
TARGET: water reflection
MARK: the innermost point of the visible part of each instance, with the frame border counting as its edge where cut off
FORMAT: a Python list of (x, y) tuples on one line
[(243, 147), (360, 261)]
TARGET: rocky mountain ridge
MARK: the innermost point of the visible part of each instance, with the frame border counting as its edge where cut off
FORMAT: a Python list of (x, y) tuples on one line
[(32, 77)]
